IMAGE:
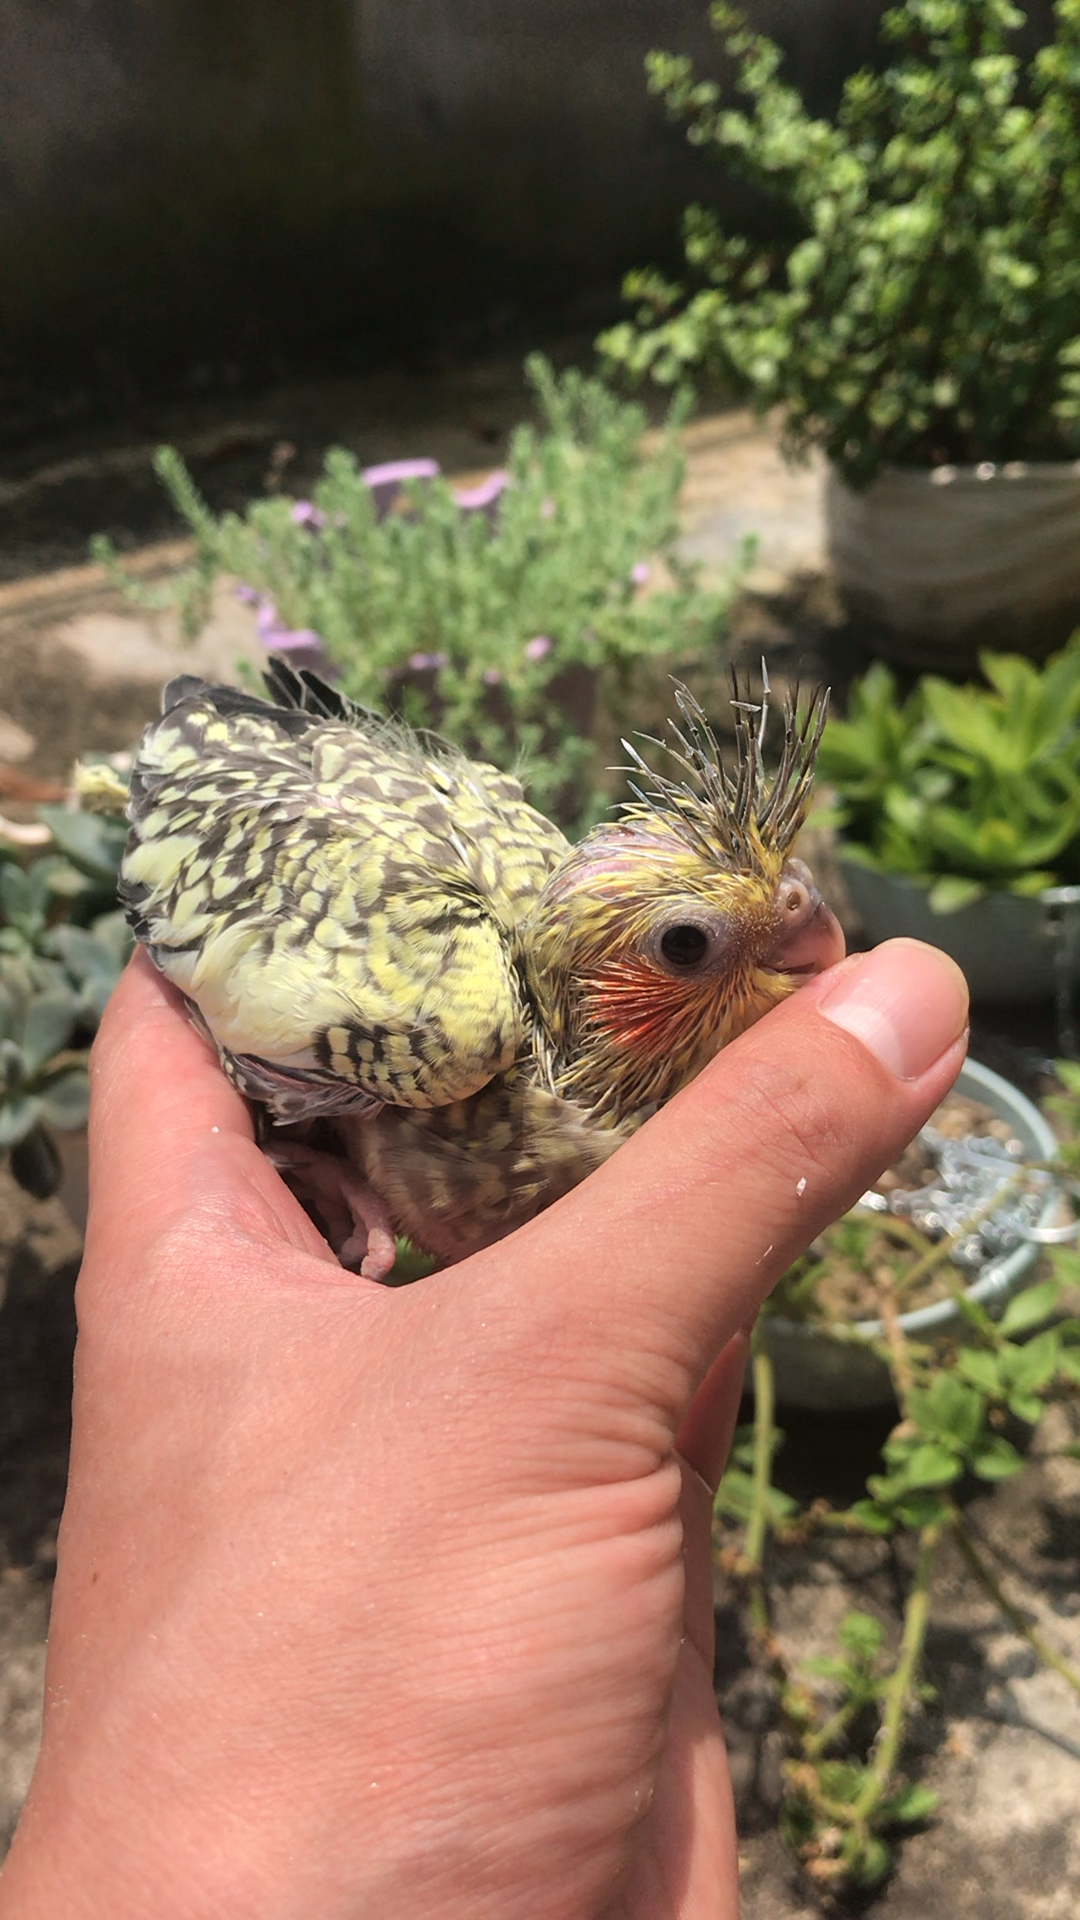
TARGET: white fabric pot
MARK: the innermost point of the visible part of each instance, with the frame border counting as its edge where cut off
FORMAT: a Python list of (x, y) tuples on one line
[(941, 564)]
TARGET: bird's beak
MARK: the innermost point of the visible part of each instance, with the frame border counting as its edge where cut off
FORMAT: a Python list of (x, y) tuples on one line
[(809, 937)]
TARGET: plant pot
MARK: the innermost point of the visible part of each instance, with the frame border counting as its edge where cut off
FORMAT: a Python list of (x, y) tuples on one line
[(827, 1372), (1010, 948), (936, 565)]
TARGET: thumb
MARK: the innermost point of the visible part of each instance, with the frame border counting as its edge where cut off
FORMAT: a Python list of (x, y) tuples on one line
[(652, 1265), (170, 1138)]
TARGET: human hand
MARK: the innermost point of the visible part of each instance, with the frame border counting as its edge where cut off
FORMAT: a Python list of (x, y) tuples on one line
[(398, 1603)]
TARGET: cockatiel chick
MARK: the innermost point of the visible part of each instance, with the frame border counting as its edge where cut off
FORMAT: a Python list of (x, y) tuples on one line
[(447, 1013)]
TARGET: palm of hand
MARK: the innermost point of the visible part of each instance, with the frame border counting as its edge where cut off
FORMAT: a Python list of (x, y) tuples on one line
[(377, 1602), (428, 1457)]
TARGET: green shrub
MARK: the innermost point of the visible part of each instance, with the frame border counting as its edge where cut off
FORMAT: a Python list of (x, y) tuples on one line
[(925, 308)]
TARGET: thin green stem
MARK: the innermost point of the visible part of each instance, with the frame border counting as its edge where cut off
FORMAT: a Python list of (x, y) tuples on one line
[(1013, 1615), (750, 1566), (764, 1445), (901, 1680), (821, 1738)]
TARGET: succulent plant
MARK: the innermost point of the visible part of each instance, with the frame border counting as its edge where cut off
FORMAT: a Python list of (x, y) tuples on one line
[(60, 957)]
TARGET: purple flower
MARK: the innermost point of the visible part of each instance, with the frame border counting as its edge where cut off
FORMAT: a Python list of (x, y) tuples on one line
[(485, 497), (279, 638), (537, 649), (386, 481), (245, 593), (492, 677), (640, 572), (425, 662), (305, 514), (296, 640)]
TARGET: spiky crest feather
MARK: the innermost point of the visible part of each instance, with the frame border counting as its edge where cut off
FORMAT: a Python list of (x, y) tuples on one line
[(752, 818)]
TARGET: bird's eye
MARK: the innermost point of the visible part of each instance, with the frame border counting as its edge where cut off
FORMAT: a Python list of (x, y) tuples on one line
[(684, 946), (690, 939)]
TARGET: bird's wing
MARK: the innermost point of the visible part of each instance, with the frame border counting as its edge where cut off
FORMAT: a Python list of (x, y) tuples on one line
[(338, 901)]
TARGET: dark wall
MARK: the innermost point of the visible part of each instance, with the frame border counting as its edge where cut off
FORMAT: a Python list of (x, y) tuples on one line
[(202, 190), (172, 173)]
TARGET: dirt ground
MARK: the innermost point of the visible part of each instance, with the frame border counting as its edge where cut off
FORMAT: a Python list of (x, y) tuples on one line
[(80, 668)]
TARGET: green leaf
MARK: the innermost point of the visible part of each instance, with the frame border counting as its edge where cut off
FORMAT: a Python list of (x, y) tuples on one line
[(91, 843), (65, 1100), (49, 1024), (17, 1116), (1027, 1407), (952, 892), (862, 1634), (995, 1459), (868, 1860), (913, 1803), (842, 1780), (982, 1369), (1031, 1307), (1032, 1365), (949, 1408), (919, 1510), (735, 1498), (871, 1517), (826, 1666), (932, 1465)]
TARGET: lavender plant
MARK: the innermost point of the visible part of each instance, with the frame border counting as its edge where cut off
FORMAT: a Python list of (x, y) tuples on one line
[(526, 617)]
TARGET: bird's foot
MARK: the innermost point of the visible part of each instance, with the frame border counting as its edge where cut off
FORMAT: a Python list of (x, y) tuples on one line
[(357, 1223)]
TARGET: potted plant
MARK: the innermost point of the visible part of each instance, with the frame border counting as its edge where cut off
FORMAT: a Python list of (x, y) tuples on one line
[(63, 943), (824, 1329), (915, 315), (958, 810), (535, 616)]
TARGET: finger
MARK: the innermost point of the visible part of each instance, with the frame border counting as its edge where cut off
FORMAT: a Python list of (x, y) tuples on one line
[(168, 1130), (705, 1436), (670, 1247)]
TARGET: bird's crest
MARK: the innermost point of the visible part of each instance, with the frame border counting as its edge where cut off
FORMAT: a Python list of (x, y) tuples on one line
[(742, 808)]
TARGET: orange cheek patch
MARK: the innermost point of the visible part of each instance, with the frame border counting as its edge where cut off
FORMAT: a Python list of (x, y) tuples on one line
[(642, 1010)]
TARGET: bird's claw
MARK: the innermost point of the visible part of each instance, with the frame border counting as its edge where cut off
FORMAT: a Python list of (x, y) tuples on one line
[(357, 1223)]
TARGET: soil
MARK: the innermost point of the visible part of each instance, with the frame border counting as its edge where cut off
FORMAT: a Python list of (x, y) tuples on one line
[(852, 1267)]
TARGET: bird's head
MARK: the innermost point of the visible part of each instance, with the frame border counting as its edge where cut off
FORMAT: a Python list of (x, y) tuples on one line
[(665, 933)]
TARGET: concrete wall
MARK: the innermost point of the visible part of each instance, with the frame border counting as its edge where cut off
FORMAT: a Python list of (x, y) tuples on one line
[(205, 189)]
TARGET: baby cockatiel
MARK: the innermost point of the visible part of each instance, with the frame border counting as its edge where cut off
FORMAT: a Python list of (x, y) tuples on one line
[(448, 1014)]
